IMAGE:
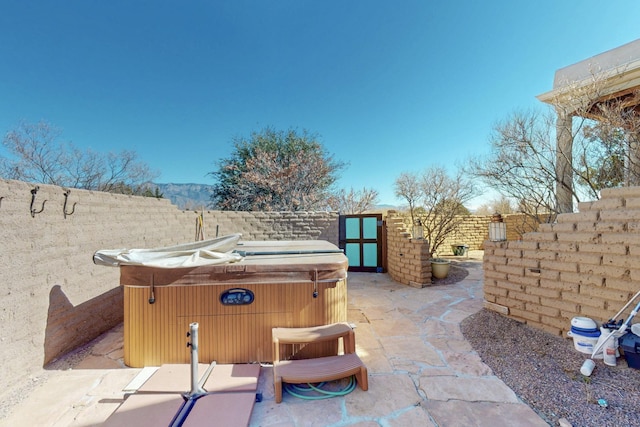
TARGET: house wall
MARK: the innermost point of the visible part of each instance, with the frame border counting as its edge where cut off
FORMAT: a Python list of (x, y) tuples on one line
[(585, 264), (55, 299)]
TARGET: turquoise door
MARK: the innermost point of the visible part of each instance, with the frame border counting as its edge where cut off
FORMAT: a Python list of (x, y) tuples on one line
[(361, 240)]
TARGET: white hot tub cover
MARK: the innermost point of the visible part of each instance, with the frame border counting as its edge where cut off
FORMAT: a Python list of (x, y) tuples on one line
[(206, 252)]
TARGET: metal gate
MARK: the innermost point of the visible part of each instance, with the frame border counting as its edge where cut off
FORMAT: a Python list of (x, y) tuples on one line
[(362, 239)]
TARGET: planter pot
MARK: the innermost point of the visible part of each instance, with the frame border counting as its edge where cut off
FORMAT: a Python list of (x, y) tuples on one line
[(440, 268), (459, 249)]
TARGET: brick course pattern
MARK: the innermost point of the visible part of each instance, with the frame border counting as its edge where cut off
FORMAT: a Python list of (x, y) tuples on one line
[(407, 258), (585, 264), (473, 230), (55, 299)]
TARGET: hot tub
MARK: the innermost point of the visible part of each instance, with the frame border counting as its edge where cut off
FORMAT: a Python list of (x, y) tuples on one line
[(273, 284)]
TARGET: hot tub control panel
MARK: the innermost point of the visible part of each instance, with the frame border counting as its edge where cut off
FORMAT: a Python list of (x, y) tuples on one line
[(236, 296)]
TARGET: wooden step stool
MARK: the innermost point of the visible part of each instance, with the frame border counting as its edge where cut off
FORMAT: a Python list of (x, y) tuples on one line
[(320, 368)]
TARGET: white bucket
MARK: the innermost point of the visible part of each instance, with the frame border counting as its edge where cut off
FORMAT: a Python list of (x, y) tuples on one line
[(584, 323), (582, 343)]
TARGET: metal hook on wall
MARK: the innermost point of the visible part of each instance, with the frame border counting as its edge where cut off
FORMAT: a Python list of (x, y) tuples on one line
[(33, 199), (64, 208)]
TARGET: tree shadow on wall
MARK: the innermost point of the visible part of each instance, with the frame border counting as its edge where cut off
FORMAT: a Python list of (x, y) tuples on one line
[(69, 326)]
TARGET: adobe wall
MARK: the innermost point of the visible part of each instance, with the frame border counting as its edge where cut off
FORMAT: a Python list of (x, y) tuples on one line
[(273, 225), (407, 258), (585, 264), (473, 230), (54, 298)]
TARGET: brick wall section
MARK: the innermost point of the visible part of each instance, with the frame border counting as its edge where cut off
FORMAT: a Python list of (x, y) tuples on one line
[(54, 298), (273, 225), (407, 258), (585, 264), (474, 230)]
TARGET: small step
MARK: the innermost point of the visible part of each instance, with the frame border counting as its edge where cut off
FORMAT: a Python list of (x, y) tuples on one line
[(314, 334), (311, 334), (318, 370)]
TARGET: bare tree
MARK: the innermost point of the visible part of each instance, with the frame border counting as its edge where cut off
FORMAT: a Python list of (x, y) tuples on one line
[(275, 170), (436, 201), (407, 186), (615, 139), (521, 165), (38, 156), (354, 201), (549, 161), (502, 205), (524, 155)]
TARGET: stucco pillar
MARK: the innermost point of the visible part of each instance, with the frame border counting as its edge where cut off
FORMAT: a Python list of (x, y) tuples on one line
[(564, 160)]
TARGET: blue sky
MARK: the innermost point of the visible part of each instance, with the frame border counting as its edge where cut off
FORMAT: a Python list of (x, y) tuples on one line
[(390, 87)]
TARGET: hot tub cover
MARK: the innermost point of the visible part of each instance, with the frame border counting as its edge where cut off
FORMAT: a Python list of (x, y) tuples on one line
[(206, 252)]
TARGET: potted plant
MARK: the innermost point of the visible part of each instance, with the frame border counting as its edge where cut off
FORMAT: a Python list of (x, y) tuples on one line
[(440, 267), (459, 249)]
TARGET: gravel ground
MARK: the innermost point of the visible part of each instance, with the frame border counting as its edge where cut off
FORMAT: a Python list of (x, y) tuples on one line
[(544, 371)]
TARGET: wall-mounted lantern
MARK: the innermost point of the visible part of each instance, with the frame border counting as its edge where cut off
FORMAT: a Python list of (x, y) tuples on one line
[(497, 228), (418, 232)]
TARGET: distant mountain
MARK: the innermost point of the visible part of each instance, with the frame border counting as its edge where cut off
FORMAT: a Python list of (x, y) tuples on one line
[(383, 209), (187, 196)]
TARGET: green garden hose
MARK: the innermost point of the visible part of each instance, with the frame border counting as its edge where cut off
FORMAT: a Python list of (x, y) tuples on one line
[(318, 393)]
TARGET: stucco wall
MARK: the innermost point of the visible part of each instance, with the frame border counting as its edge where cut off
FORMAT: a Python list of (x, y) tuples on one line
[(585, 264), (54, 298)]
